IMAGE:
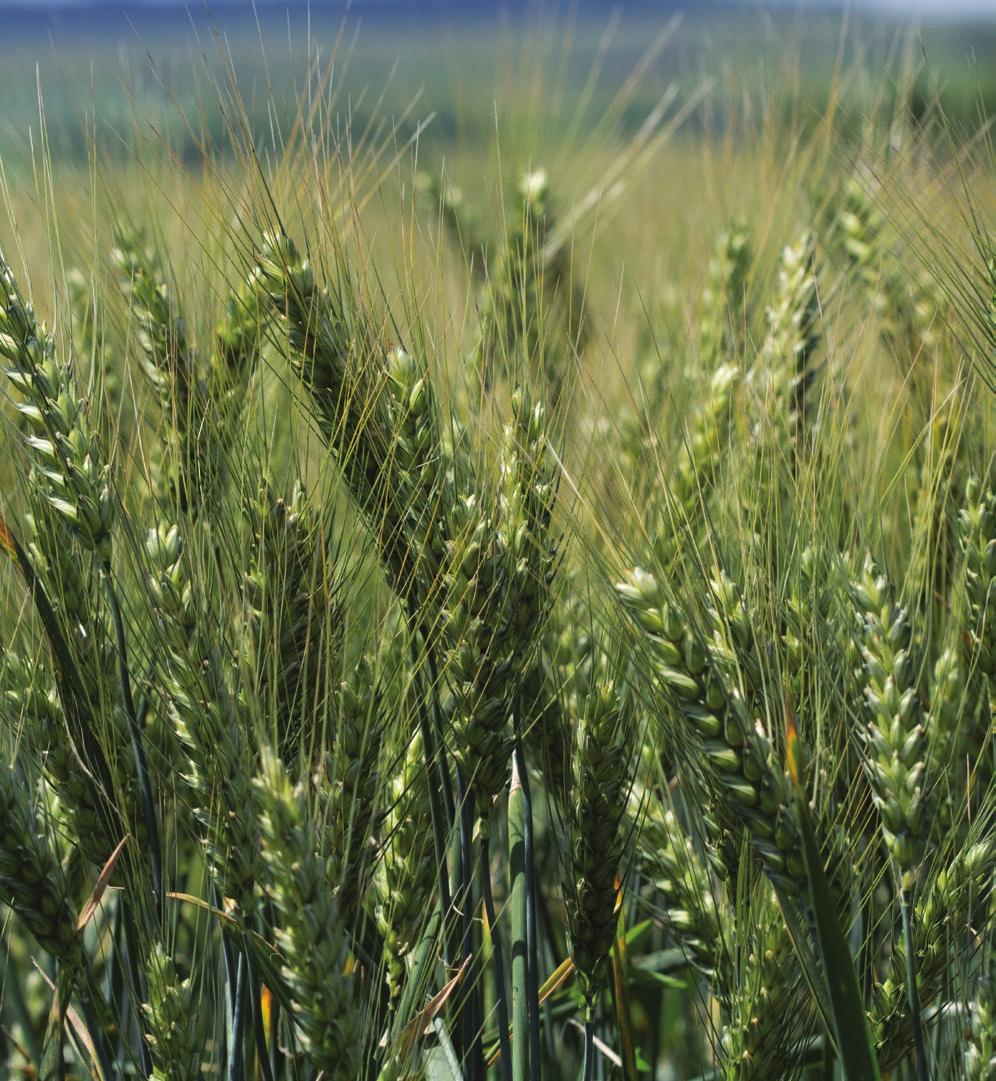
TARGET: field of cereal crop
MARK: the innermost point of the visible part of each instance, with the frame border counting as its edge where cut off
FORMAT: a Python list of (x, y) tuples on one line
[(499, 545)]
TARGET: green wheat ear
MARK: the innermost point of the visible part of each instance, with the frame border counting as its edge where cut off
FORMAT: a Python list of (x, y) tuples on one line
[(978, 539), (895, 737), (76, 478), (185, 467), (406, 876), (953, 900), (31, 877), (459, 220), (597, 840), (792, 339), (295, 617), (353, 776), (980, 1054), (377, 410), (692, 902), (170, 1020), (741, 762), (310, 934), (32, 701), (209, 724), (723, 306), (533, 309)]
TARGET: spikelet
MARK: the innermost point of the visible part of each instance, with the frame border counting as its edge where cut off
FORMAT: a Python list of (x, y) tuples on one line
[(208, 724), (353, 779), (895, 737), (792, 338), (528, 496), (294, 616), (31, 878), (376, 409), (745, 772), (170, 1019), (769, 1015), (532, 309), (416, 477), (90, 340), (30, 701), (62, 441), (169, 359), (722, 310), (238, 341), (309, 931), (554, 683), (978, 540), (690, 900), (458, 219), (977, 537), (905, 304), (946, 739), (478, 661), (980, 1054), (950, 913), (501, 565), (602, 767), (700, 455), (193, 462), (405, 872)]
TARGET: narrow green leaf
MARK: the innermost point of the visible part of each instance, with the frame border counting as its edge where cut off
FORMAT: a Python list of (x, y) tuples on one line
[(517, 903), (853, 1036)]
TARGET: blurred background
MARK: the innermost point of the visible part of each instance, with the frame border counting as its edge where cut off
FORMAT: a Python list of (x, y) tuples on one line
[(110, 74)]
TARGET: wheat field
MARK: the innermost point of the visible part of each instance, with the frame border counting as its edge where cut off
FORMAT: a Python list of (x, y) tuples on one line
[(512, 603)]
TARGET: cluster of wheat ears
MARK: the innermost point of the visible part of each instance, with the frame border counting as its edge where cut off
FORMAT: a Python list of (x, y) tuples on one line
[(373, 715)]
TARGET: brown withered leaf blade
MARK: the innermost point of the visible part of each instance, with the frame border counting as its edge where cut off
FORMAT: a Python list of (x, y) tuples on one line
[(99, 889)]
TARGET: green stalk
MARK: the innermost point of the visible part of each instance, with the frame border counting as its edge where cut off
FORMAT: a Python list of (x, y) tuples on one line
[(138, 986), (71, 692), (498, 960), (473, 1012), (532, 955), (433, 766), (135, 735), (518, 901), (423, 959), (848, 1019), (622, 1002), (588, 1062), (912, 991), (236, 1064), (14, 995)]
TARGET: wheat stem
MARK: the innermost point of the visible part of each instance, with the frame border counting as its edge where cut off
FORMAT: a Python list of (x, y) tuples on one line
[(517, 901), (137, 744), (498, 960)]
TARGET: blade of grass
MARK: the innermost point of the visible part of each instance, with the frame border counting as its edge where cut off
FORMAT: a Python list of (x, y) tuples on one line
[(517, 903), (913, 991), (532, 947), (619, 967), (137, 744), (497, 959), (853, 1036)]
